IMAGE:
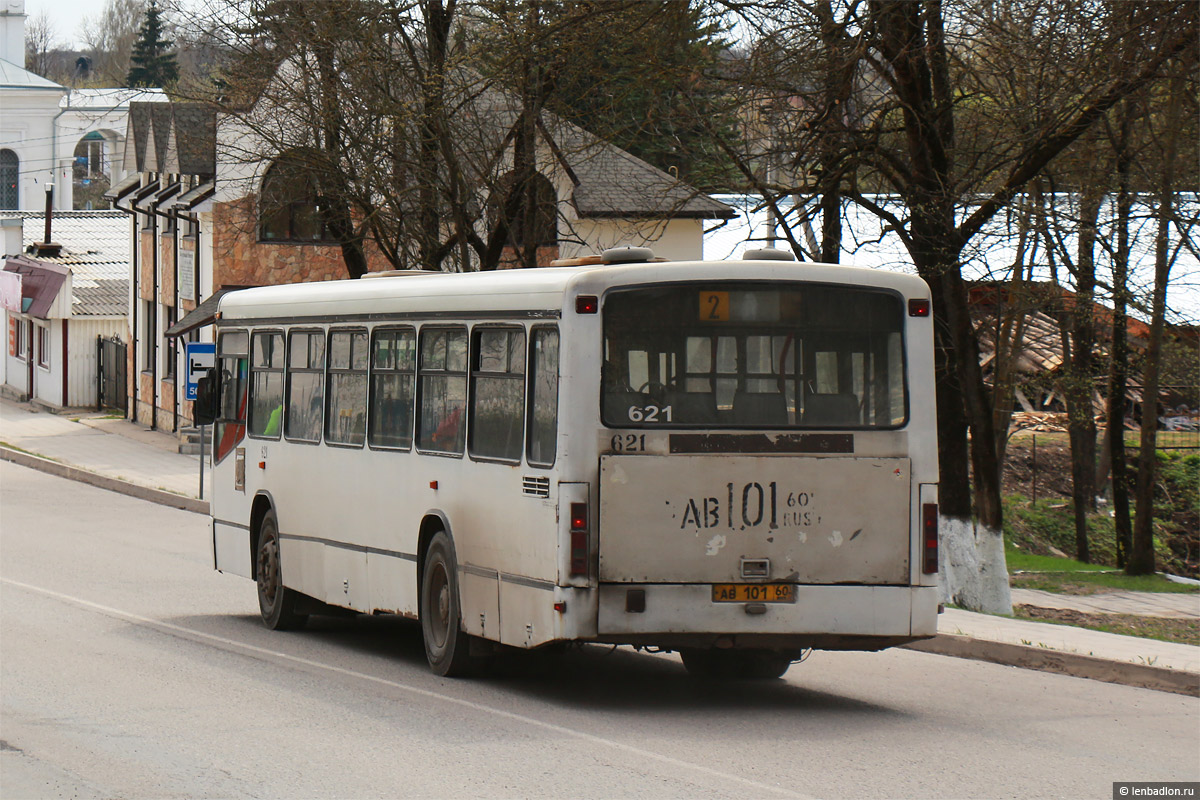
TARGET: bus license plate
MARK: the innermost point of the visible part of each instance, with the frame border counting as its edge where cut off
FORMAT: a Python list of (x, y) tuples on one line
[(752, 593)]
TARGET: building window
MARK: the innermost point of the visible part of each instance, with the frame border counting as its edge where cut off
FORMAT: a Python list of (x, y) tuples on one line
[(290, 207), (43, 346), (169, 364), (346, 422), (10, 173), (149, 334), (20, 339), (393, 368), (498, 393)]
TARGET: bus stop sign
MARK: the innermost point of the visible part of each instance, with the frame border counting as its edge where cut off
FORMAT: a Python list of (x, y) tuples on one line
[(201, 357)]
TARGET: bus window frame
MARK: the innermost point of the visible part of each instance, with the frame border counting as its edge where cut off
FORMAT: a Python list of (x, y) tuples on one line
[(473, 373), (412, 417), (250, 384), (900, 298), (220, 451), (287, 386), (329, 373), (529, 393), (418, 395)]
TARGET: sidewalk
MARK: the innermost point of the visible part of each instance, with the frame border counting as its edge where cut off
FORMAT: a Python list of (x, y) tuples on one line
[(127, 457), (111, 448)]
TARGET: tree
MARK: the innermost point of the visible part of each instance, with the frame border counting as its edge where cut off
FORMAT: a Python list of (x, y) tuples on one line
[(1141, 556), (934, 124), (152, 62), (109, 37), (41, 40)]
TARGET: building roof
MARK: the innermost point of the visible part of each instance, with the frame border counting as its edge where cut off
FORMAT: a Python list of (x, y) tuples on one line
[(107, 99), (40, 283), (13, 76), (176, 138), (610, 183), (95, 250)]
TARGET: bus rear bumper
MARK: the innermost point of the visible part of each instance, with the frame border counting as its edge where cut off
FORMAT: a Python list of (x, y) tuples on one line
[(823, 617)]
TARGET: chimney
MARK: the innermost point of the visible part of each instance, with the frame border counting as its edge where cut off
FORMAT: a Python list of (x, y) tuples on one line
[(47, 247)]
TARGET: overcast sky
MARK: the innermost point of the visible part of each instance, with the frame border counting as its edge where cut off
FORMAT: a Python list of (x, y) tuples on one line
[(65, 16)]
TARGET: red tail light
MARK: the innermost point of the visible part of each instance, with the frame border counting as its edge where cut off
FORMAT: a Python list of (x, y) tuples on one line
[(929, 538), (579, 539)]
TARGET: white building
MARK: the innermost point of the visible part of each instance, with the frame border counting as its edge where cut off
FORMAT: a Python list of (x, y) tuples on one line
[(59, 302), (51, 134)]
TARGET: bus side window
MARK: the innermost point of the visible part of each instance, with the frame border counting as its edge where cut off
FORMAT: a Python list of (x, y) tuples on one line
[(543, 397), (498, 393), (305, 386), (347, 391), (266, 385), (443, 387), (393, 364), (232, 362)]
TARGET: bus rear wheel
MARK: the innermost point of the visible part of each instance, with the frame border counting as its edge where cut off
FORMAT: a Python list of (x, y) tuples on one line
[(745, 665), (447, 646), (276, 602)]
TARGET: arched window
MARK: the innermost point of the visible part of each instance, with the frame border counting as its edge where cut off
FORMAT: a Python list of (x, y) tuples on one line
[(506, 208), (10, 170), (290, 207)]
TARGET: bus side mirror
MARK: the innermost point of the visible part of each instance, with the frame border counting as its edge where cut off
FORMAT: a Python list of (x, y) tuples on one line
[(204, 409)]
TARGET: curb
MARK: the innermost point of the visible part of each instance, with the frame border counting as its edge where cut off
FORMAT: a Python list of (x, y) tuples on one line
[(1074, 664), (159, 496)]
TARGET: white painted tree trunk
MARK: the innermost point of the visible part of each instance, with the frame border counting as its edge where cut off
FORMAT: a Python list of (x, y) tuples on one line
[(972, 573)]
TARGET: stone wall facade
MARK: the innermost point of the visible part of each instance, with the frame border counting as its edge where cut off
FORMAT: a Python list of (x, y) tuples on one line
[(241, 259)]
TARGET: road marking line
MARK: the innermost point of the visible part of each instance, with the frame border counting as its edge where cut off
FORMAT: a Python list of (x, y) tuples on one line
[(499, 712)]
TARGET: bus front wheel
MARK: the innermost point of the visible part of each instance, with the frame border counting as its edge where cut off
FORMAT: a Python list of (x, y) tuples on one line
[(276, 602), (447, 646), (746, 665)]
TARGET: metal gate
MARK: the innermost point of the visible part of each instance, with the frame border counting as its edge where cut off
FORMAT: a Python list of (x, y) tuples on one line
[(111, 391)]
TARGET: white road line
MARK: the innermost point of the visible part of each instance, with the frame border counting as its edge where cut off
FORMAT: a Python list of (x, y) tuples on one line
[(235, 645)]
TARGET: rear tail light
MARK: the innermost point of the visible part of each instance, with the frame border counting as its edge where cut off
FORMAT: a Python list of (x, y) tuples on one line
[(929, 538), (579, 540)]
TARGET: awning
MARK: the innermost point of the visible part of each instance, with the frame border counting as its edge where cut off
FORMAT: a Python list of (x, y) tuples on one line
[(201, 315), (152, 202), (194, 196), (40, 284), (123, 188)]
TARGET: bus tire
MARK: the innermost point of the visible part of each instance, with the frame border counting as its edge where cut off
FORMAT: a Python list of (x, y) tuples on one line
[(744, 665), (276, 602), (447, 646)]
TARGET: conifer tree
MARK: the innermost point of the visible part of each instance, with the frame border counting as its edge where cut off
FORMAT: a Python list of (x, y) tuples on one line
[(152, 62)]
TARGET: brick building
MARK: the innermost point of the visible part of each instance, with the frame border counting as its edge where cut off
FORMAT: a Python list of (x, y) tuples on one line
[(201, 227)]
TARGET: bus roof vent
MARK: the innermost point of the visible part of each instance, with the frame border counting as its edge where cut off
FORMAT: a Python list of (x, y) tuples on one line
[(627, 255), (767, 254), (400, 273)]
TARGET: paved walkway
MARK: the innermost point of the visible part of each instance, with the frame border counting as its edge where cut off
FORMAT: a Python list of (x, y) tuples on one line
[(1146, 604), (126, 451), (116, 448)]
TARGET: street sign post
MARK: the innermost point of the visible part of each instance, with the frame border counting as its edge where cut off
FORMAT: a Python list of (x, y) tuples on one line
[(201, 357)]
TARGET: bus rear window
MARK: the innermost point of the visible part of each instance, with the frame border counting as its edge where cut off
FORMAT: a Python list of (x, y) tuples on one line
[(753, 355)]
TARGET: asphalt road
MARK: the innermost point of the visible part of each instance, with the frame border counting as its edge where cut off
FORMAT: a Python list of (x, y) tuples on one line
[(129, 669)]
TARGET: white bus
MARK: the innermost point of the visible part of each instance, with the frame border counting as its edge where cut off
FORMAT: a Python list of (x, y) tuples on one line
[(734, 460)]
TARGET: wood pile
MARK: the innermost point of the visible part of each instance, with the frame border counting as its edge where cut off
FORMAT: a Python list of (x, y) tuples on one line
[(1044, 421)]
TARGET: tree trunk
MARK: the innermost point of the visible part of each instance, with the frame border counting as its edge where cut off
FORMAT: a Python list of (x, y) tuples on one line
[(1119, 351), (1141, 557), (1077, 389)]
